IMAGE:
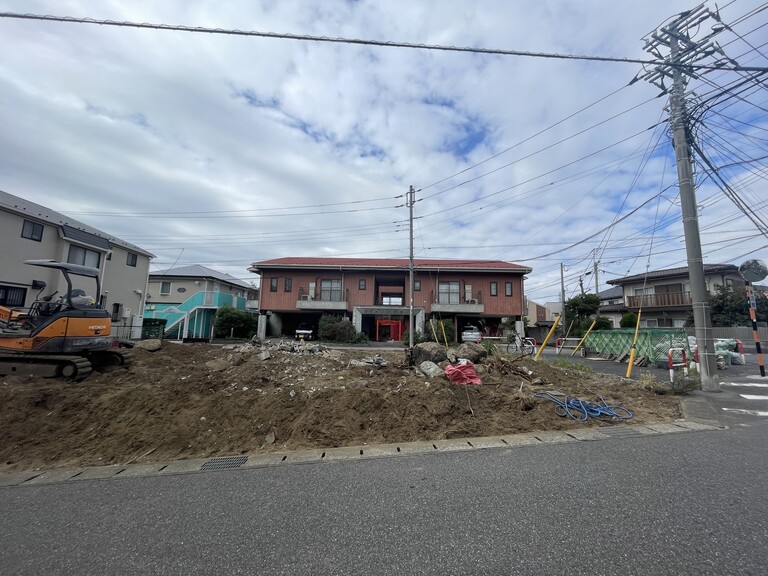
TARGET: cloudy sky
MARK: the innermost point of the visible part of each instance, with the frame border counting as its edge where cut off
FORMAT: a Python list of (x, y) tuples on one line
[(223, 150)]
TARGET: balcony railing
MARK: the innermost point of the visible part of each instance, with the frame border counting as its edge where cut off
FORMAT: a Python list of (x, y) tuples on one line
[(473, 304), (668, 299), (315, 301)]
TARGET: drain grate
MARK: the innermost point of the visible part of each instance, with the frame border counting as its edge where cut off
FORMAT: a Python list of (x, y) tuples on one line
[(620, 432), (224, 463)]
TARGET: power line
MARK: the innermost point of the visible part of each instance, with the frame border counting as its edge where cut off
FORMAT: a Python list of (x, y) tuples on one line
[(340, 40)]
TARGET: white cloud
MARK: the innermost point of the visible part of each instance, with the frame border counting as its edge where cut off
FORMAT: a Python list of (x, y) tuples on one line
[(222, 150)]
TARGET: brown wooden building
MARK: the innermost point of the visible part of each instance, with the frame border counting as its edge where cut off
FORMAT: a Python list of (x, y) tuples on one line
[(373, 293)]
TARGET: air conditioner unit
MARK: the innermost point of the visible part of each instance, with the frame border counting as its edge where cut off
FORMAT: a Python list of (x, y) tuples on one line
[(472, 301), (307, 297)]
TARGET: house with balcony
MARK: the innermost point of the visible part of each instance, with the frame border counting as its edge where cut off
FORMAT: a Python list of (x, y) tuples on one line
[(374, 293), (187, 297), (665, 295), (30, 231)]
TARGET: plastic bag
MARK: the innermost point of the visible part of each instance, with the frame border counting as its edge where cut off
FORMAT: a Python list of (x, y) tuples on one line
[(463, 373)]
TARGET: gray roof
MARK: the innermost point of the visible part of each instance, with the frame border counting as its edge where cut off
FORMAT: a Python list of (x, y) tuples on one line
[(681, 272), (611, 293), (198, 271), (71, 228)]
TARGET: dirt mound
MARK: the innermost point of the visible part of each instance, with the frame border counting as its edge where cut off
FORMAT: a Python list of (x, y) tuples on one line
[(200, 400)]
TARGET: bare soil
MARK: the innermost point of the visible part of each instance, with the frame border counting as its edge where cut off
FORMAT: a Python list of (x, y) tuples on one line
[(201, 400)]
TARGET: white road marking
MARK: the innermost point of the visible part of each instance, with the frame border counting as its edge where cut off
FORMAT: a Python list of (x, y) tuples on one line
[(745, 384), (753, 397), (749, 412)]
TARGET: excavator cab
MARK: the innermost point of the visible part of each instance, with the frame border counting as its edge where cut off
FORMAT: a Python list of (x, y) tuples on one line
[(64, 337)]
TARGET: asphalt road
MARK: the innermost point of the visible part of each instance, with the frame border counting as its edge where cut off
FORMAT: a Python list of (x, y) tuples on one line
[(691, 503)]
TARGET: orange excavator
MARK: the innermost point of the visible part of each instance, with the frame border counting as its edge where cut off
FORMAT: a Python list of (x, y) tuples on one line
[(63, 338)]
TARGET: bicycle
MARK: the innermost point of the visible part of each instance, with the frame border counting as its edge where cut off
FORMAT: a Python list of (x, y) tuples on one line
[(519, 345)]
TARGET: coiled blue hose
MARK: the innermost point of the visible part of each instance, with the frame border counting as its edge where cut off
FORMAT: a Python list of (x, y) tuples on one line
[(582, 410)]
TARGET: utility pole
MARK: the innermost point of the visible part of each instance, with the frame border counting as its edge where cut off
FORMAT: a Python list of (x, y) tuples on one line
[(410, 202), (683, 52), (562, 294), (597, 284)]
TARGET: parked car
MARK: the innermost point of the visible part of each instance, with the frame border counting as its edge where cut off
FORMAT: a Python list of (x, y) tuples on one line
[(305, 332), (471, 334)]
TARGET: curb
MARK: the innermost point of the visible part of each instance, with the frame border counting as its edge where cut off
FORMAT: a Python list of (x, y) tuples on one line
[(698, 417)]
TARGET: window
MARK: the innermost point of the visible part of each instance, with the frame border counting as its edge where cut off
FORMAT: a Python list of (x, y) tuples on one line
[(361, 284), (83, 256), (494, 289), (330, 290), (417, 285), (392, 300), (165, 288), (12, 296), (448, 293), (117, 312), (32, 230), (507, 288), (273, 284), (288, 285), (132, 259)]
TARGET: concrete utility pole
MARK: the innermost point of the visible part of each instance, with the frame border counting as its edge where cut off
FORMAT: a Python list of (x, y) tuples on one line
[(410, 202), (683, 53), (562, 294)]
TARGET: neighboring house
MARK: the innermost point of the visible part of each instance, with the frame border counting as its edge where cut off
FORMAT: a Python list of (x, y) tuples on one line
[(189, 296), (612, 305), (374, 293), (665, 295), (29, 231)]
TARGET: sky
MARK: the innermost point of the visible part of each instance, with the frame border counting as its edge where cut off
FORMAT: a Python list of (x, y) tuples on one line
[(224, 150)]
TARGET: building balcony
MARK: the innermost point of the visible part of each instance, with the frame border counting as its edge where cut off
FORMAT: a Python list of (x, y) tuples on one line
[(471, 305), (333, 301), (664, 300)]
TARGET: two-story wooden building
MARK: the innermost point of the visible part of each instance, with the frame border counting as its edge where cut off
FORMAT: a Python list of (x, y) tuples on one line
[(665, 295), (374, 293)]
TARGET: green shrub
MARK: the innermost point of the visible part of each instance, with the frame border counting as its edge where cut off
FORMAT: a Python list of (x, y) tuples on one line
[(235, 323), (333, 328)]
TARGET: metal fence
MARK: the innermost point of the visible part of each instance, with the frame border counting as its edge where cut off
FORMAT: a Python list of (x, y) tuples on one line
[(651, 343)]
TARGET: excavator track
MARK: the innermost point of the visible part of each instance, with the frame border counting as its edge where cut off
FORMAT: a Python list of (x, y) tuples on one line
[(75, 368), (114, 357)]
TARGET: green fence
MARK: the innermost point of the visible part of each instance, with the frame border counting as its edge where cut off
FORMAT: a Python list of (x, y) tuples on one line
[(652, 343)]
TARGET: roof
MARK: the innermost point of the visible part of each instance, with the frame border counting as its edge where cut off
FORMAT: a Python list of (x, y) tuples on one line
[(681, 272), (198, 271), (72, 229), (615, 292), (390, 264)]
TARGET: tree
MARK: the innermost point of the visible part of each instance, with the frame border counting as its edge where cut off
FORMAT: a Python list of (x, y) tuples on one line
[(729, 306), (578, 313), (236, 323)]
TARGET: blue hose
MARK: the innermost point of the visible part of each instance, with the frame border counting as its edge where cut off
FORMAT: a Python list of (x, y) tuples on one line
[(581, 410)]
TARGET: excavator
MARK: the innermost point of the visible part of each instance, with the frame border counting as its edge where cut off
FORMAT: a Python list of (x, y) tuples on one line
[(64, 338)]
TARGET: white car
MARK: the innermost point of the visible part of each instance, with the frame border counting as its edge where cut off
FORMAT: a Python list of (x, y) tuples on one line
[(471, 334)]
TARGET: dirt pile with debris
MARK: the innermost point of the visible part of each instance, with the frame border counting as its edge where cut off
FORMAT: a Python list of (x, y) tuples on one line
[(202, 400)]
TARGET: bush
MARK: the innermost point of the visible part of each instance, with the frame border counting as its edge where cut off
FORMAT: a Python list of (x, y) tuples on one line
[(629, 320), (332, 328), (234, 323)]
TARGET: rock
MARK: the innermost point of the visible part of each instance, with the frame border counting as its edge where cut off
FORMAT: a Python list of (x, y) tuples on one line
[(150, 345), (217, 365), (429, 352), (430, 369), (472, 352), (271, 437), (356, 384), (265, 355)]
